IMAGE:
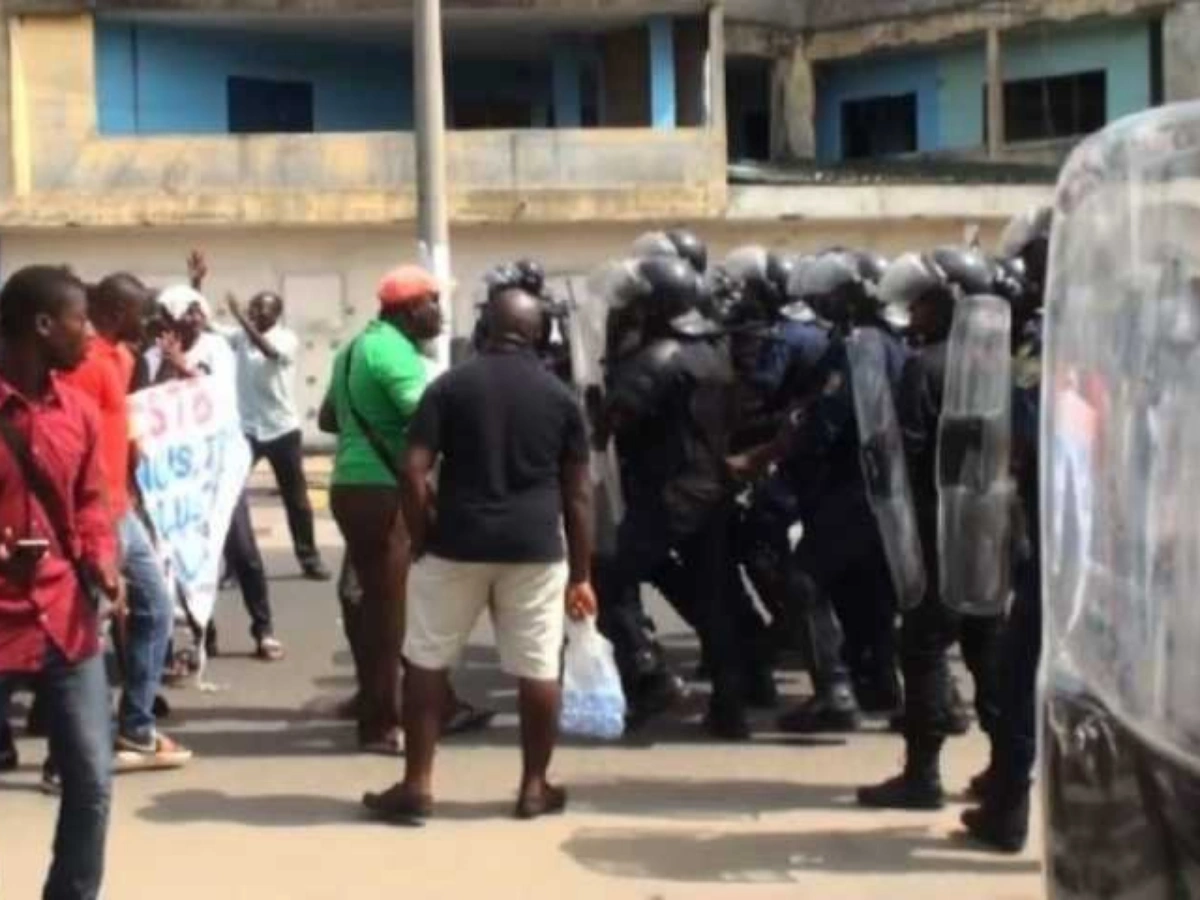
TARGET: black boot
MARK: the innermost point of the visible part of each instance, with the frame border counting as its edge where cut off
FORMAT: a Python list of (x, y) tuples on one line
[(727, 721), (655, 693), (918, 787), (834, 709), (1001, 822), (760, 690)]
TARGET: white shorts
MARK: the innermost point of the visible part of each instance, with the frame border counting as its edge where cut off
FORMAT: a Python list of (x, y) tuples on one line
[(446, 598)]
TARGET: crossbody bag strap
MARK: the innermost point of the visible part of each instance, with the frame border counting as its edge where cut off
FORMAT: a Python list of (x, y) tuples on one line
[(377, 443)]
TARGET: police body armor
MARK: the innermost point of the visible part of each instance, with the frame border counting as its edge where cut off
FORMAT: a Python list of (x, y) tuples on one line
[(885, 472), (1120, 493), (975, 487)]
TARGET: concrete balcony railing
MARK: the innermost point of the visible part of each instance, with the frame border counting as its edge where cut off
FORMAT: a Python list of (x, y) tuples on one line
[(537, 175)]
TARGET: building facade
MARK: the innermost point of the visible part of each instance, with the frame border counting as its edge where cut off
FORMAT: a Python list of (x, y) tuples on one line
[(277, 135)]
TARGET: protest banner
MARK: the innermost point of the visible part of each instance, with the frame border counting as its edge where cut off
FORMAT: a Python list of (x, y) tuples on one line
[(194, 461)]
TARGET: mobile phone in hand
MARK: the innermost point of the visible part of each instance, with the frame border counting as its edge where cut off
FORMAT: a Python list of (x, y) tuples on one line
[(32, 548)]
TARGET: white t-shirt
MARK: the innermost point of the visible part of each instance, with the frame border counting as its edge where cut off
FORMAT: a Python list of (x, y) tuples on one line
[(267, 387)]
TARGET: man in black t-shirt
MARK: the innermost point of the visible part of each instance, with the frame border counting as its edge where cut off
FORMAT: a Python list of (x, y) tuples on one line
[(513, 479)]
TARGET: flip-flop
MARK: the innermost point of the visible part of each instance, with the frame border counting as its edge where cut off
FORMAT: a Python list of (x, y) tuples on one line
[(394, 805), (466, 718), (553, 801)]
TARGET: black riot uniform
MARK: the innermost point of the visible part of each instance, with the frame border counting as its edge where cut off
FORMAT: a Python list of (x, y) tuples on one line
[(669, 408), (841, 538), (1002, 818), (928, 286)]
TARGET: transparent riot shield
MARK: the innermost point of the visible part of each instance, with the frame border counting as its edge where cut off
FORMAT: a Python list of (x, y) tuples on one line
[(885, 470), (588, 301), (1121, 514), (975, 487)]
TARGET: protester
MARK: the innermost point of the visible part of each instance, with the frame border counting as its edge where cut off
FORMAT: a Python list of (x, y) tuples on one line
[(512, 446), (188, 348), (117, 309), (376, 384), (266, 352), (58, 549)]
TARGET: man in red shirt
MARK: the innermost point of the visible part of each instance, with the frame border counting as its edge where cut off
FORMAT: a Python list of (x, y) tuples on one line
[(118, 307), (49, 627)]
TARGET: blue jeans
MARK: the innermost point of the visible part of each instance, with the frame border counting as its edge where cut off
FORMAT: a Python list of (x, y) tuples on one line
[(147, 631), (77, 714)]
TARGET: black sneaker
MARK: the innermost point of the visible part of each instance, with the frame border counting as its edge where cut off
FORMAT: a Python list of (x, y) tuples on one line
[(979, 787), (903, 792), (316, 571), (656, 693), (1005, 830), (831, 713)]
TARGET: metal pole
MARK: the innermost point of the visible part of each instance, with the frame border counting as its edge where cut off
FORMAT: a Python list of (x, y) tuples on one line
[(995, 95), (432, 224)]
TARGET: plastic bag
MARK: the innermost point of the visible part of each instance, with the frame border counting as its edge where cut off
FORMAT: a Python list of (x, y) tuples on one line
[(593, 703)]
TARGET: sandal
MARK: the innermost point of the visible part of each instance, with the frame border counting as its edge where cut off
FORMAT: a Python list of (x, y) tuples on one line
[(552, 801), (465, 718), (397, 805), (269, 650)]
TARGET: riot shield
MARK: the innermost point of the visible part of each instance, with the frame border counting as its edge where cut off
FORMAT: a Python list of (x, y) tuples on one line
[(975, 487), (1121, 508), (885, 471), (587, 327)]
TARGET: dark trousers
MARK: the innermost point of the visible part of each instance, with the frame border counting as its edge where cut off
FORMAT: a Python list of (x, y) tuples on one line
[(1016, 729), (928, 633), (840, 538), (245, 562), (699, 566), (377, 546), (81, 743), (284, 455)]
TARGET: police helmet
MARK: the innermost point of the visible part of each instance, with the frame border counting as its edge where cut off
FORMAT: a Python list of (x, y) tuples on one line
[(673, 294), (911, 278), (966, 268), (1028, 237), (871, 265), (655, 243), (833, 286), (690, 247), (532, 276)]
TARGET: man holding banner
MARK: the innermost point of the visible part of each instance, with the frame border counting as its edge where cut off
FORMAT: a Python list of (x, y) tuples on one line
[(188, 350)]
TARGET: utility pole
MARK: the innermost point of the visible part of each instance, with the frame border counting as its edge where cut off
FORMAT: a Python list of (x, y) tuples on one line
[(995, 95), (433, 229)]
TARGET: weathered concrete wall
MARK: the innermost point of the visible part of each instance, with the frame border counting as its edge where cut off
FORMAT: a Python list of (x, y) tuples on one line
[(329, 274), (840, 30), (67, 173), (1181, 52)]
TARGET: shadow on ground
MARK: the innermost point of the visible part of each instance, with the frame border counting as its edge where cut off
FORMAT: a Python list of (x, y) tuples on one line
[(699, 856), (269, 811), (707, 798)]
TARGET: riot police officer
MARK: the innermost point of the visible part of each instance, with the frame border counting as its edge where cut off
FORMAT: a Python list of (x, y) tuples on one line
[(553, 348), (926, 289), (669, 407), (677, 242), (822, 463), (1002, 818)]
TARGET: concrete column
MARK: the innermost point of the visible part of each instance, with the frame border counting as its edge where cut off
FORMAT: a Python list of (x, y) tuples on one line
[(6, 134), (568, 102), (717, 124), (662, 72), (1181, 52), (793, 106), (995, 94)]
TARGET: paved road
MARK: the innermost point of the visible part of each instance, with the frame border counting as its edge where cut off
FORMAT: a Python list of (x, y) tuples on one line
[(270, 807)]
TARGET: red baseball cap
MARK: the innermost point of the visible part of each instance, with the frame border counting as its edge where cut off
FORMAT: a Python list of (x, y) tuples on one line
[(406, 286)]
